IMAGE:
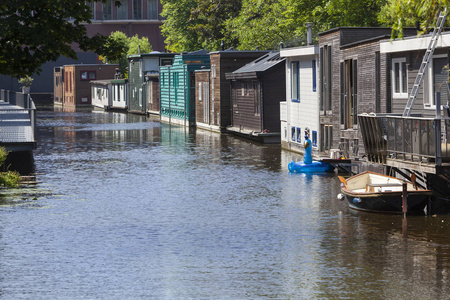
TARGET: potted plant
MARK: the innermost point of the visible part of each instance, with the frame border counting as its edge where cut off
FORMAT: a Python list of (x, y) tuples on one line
[(26, 83)]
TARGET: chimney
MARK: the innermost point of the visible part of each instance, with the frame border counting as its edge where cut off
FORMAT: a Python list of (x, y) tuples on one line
[(308, 33)]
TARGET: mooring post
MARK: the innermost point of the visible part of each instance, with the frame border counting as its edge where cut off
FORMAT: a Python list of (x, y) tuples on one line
[(404, 198)]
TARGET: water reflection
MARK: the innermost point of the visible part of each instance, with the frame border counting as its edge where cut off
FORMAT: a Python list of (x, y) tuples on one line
[(142, 209)]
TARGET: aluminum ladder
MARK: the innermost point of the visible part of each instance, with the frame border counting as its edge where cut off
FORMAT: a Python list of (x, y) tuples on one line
[(426, 59)]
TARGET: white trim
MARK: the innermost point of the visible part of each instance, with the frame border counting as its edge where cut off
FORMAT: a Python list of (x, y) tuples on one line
[(413, 43), (300, 51), (430, 73), (402, 94)]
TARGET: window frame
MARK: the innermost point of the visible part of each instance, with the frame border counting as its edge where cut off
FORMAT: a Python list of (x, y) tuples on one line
[(431, 101), (88, 73), (402, 94), (295, 72)]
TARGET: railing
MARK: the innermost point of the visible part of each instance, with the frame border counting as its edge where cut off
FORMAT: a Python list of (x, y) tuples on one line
[(24, 101), (410, 139)]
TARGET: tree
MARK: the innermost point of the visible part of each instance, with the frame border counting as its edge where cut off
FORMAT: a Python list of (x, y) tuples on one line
[(177, 25), (33, 32), (122, 46), (407, 12)]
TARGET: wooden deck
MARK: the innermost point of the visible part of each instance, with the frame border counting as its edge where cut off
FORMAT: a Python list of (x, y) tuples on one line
[(17, 124)]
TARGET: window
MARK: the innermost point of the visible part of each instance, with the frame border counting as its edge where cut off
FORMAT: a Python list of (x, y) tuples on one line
[(295, 88), (314, 77), (314, 138), (152, 9), (122, 10), (399, 78), (88, 75), (200, 91), (349, 93), (213, 71), (299, 135), (91, 9), (137, 9), (257, 98), (438, 81), (325, 74), (293, 133), (107, 10)]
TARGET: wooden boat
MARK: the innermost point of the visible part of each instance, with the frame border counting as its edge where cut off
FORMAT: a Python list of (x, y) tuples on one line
[(375, 192)]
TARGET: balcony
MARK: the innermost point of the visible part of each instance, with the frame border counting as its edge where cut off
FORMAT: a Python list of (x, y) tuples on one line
[(416, 143)]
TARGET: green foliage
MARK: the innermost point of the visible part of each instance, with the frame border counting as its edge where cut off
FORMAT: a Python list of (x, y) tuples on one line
[(33, 32), (121, 46), (135, 42), (177, 25), (9, 178), (26, 81), (403, 13)]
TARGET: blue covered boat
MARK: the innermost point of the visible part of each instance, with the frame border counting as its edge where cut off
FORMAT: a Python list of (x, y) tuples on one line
[(313, 167)]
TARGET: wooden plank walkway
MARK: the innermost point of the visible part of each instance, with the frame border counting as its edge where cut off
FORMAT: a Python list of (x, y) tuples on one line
[(17, 130)]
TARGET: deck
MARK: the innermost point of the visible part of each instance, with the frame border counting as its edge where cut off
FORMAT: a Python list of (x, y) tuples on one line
[(17, 122)]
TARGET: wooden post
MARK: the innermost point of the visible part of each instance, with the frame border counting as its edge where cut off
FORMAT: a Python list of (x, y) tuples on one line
[(404, 198)]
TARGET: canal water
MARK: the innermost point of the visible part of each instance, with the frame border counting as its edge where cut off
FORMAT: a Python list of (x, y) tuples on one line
[(131, 208)]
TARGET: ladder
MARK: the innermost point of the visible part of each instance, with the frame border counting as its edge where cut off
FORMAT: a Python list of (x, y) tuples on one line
[(426, 59)]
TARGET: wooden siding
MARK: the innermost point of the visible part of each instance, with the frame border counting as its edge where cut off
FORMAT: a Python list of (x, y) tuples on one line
[(271, 88), (177, 88)]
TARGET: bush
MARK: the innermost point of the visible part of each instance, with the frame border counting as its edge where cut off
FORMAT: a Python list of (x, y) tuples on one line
[(8, 178)]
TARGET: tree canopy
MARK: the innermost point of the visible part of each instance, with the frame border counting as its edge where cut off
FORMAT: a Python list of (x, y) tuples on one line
[(246, 24), (122, 46), (33, 32)]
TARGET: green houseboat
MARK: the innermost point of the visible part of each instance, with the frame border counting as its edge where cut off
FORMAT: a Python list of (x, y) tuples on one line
[(177, 87), (143, 75)]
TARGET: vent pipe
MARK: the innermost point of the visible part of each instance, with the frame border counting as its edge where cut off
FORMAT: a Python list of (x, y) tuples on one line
[(309, 34)]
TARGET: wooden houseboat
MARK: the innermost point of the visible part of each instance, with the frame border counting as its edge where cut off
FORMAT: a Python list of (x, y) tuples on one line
[(143, 78), (352, 77), (76, 82), (300, 112), (177, 87), (110, 94), (58, 85), (256, 92), (212, 101)]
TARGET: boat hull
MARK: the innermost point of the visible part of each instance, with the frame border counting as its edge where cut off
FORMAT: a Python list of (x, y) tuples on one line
[(387, 202), (314, 167)]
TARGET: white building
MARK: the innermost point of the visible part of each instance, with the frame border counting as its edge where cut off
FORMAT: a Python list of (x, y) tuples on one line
[(300, 112)]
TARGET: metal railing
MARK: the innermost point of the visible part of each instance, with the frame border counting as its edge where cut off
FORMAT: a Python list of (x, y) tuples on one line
[(413, 139)]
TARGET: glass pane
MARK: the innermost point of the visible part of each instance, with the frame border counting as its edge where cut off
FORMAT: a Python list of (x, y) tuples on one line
[(107, 10), (137, 9), (397, 77), (122, 10), (440, 77), (404, 78), (152, 9), (294, 80)]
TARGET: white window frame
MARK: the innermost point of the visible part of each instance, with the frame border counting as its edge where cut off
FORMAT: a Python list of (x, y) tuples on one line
[(430, 72), (402, 94)]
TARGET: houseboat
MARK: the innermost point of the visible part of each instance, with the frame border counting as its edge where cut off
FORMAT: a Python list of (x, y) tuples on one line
[(212, 101), (256, 92)]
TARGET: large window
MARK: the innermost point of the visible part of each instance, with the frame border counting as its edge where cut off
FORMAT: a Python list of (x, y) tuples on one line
[(295, 86), (107, 10), (137, 9), (399, 78), (88, 75), (438, 81), (152, 9), (122, 10)]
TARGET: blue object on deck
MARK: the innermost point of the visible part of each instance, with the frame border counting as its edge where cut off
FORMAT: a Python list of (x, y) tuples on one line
[(314, 167)]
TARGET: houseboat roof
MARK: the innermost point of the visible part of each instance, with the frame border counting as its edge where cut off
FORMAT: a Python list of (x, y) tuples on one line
[(259, 65), (300, 51), (351, 35), (238, 53), (414, 43), (152, 54)]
